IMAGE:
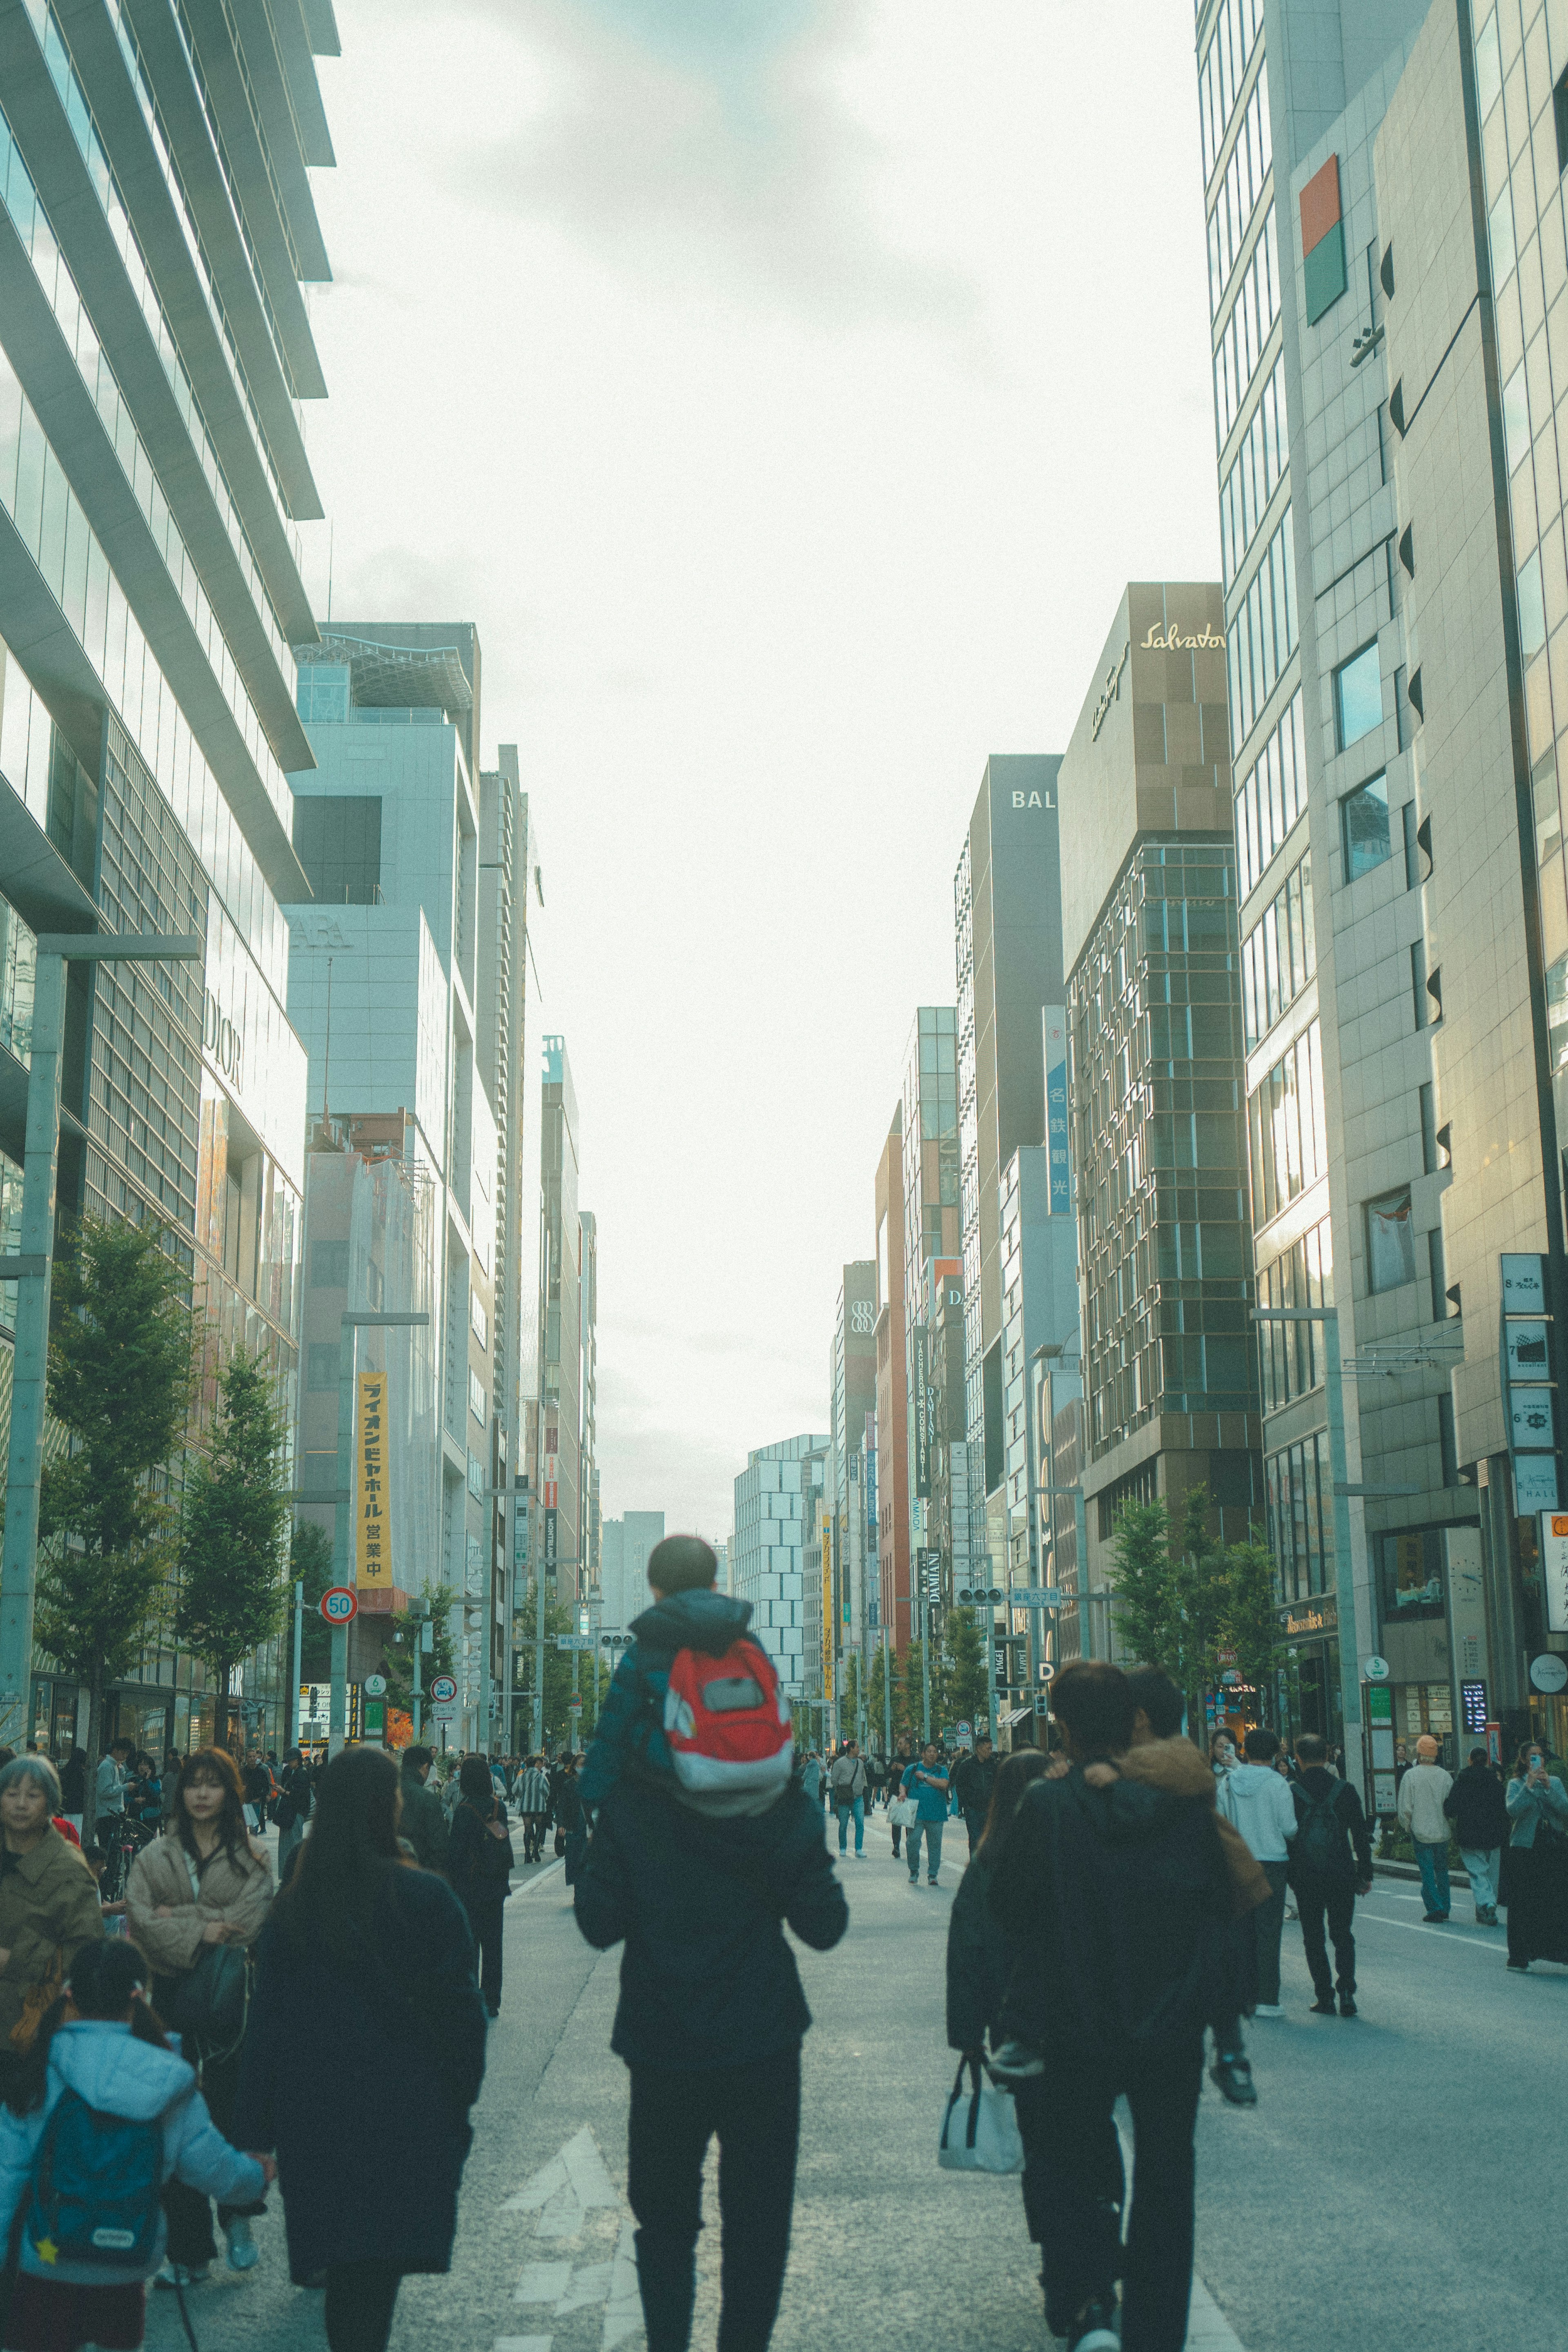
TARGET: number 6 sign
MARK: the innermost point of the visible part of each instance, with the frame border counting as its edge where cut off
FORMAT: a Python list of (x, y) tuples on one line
[(339, 1604)]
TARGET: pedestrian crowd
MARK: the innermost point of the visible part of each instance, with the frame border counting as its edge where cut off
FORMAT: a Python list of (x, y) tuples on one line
[(188, 2031)]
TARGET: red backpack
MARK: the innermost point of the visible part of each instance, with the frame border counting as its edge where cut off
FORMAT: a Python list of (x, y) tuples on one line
[(727, 1721)]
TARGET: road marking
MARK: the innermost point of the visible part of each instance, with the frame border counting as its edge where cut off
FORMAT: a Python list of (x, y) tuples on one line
[(522, 2344), (539, 1879), (1419, 1927), (568, 2187)]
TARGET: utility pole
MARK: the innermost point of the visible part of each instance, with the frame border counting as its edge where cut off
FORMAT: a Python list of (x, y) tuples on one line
[(299, 1646), (31, 1269)]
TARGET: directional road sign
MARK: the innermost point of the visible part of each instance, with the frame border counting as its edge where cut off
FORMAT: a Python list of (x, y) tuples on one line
[(339, 1604), (444, 1714), (1035, 1596), (575, 1641)]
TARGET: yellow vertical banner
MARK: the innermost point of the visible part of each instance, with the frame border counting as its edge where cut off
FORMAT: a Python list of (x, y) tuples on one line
[(825, 1528), (373, 1561)]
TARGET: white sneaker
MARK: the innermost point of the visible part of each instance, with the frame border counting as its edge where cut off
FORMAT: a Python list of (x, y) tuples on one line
[(244, 2252), (179, 2275), (1269, 2009)]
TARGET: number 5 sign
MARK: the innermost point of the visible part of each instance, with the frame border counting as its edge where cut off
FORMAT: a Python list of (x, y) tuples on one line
[(339, 1604)]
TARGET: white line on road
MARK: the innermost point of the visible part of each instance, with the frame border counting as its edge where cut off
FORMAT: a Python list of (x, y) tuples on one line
[(1417, 1927)]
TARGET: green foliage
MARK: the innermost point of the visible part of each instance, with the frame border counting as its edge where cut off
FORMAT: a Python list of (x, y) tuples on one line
[(235, 1521), (311, 1564), (967, 1673), (122, 1363), (403, 1631), (1180, 1602), (875, 1686), (559, 1618)]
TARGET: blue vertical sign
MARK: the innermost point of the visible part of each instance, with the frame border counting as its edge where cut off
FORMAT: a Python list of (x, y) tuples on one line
[(1053, 1024)]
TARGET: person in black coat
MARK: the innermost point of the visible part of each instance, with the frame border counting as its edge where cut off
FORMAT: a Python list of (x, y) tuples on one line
[(365, 1991), (479, 1862), (1478, 1810), (710, 2022)]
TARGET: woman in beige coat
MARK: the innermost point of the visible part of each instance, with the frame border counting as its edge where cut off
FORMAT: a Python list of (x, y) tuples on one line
[(202, 1882)]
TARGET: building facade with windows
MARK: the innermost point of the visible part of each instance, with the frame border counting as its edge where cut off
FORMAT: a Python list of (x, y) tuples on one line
[(1158, 1105), (1007, 896), (559, 1481), (933, 1232), (155, 234), (893, 1588), (852, 1374), (383, 988), (779, 1497), (1353, 942)]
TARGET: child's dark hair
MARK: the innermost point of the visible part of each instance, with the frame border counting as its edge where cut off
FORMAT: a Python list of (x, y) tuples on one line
[(106, 1977)]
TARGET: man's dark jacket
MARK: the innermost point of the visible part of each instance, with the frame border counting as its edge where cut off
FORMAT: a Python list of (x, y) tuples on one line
[(1116, 1903), (974, 1780), (707, 1978), (423, 1823), (1313, 1786), (1478, 1808)]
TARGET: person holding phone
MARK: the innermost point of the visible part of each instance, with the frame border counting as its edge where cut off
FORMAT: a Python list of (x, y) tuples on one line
[(1535, 1862)]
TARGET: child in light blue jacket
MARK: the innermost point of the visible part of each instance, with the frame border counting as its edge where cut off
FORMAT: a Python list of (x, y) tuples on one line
[(103, 2112)]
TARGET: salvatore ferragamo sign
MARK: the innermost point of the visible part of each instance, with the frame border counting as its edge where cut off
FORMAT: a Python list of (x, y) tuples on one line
[(1171, 640)]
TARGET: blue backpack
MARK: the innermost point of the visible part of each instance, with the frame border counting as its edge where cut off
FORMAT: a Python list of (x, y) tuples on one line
[(96, 2184)]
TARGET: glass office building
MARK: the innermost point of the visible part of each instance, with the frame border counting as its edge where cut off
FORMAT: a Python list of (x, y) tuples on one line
[(154, 346)]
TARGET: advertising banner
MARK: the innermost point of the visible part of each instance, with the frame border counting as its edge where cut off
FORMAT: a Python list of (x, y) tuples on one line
[(374, 1561), (922, 1353)]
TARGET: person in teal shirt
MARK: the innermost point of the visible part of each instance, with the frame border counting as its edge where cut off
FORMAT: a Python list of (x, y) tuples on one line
[(927, 1783)]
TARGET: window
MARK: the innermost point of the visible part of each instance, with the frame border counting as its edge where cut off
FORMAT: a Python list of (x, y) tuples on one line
[(1407, 826), (1272, 795), (1263, 635), (322, 1367), (1358, 696), (1516, 418), (1412, 1574), (1279, 954), (1287, 1129), (1390, 1241), (1447, 1446), (1292, 1354), (1428, 1133), (1548, 815), (330, 1265), (1499, 228), (478, 1317), (477, 1398), (1488, 69), (1365, 817), (1531, 608), (1560, 109)]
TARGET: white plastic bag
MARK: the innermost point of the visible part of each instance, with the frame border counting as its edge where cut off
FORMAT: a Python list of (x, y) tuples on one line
[(903, 1814), (980, 2129)]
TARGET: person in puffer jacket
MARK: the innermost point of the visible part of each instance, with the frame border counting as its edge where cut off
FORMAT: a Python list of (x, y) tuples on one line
[(687, 1614), (102, 2041)]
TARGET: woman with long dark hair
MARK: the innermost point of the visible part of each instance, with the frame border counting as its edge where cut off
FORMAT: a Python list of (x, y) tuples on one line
[(202, 1883), (365, 1980), (479, 1862), (101, 2041)]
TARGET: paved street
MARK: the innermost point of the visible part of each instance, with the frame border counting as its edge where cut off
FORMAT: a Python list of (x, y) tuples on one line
[(1378, 2189)]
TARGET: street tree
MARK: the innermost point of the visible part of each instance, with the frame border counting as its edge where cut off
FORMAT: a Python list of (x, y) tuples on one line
[(1180, 1602), (1249, 1624), (121, 1369), (967, 1680), (235, 1531), (311, 1564)]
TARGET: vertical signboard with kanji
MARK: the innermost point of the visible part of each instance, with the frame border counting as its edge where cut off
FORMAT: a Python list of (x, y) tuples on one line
[(373, 1561), (1054, 1028)]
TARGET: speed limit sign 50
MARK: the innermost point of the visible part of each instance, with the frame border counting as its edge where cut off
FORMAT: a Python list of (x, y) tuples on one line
[(339, 1604)]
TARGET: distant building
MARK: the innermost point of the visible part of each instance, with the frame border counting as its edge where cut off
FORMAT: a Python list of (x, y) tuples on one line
[(892, 1394), (852, 1388), (1008, 927), (559, 1483), (778, 1497), (1159, 1137)]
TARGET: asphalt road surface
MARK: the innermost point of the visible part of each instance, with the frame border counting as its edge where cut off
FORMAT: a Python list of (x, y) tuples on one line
[(1387, 2187)]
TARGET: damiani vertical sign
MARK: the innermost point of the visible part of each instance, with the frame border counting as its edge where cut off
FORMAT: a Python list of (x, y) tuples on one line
[(374, 1564)]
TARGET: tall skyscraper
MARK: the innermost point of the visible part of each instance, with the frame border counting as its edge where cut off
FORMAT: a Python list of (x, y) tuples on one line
[(892, 1394), (384, 989), (1154, 997), (1008, 935), (156, 345), (1380, 270), (588, 1422), (559, 1483), (933, 1221), (855, 1609)]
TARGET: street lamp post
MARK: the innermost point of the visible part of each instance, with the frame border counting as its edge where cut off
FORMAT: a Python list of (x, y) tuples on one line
[(31, 1270), (354, 1319)]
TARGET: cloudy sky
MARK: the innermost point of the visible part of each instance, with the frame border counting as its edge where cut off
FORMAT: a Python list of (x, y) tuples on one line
[(787, 389)]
